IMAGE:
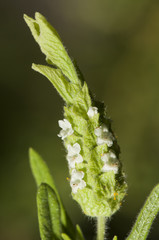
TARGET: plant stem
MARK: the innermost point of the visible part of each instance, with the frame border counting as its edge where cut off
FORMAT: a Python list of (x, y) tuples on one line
[(101, 228)]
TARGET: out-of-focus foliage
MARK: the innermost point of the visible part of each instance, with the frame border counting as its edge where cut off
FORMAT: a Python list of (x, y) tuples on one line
[(116, 44)]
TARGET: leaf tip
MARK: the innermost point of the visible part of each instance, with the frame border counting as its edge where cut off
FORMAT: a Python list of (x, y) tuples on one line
[(38, 16), (27, 19), (33, 66), (32, 155), (31, 151)]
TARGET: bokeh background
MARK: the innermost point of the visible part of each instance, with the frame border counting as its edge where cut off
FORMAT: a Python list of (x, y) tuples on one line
[(116, 44)]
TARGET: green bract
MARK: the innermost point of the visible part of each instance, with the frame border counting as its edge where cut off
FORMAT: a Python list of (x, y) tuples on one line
[(97, 180)]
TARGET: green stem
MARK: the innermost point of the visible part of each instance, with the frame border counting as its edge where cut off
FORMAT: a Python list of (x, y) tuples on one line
[(101, 228)]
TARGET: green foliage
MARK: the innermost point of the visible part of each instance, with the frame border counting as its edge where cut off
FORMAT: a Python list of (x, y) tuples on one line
[(146, 216), (48, 213), (40, 170), (115, 238), (51, 45), (57, 79), (79, 234), (42, 175), (86, 130), (65, 236)]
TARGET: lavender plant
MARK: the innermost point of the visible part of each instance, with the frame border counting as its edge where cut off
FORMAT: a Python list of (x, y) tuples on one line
[(97, 179)]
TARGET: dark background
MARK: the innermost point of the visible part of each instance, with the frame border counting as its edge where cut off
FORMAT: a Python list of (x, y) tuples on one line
[(116, 44)]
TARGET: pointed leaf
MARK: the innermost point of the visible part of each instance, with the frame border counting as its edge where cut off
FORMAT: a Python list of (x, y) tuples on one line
[(66, 89), (48, 213), (86, 94), (42, 174), (65, 236), (146, 216), (40, 170), (79, 234), (51, 45)]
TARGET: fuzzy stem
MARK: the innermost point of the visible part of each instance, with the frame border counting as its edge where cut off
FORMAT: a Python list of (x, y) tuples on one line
[(101, 228)]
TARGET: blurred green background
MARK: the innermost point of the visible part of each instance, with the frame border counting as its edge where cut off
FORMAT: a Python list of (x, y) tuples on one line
[(116, 45)]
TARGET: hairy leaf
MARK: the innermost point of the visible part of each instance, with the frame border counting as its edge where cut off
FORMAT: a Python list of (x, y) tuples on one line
[(51, 45), (42, 174), (146, 216), (66, 89), (48, 213)]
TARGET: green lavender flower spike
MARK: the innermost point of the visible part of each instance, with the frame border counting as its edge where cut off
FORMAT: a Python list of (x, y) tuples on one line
[(96, 176)]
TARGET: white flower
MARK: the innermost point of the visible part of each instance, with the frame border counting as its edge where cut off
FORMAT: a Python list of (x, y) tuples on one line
[(92, 111), (66, 128), (104, 136), (73, 155), (110, 162), (108, 168), (108, 156), (76, 180)]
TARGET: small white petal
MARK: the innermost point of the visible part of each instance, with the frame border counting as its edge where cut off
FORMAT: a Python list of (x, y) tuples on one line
[(92, 111), (74, 188), (72, 160), (105, 157), (71, 150), (100, 141), (105, 129), (64, 124), (66, 128), (104, 136), (109, 142), (62, 134), (78, 185), (76, 175), (109, 156), (82, 184), (98, 131), (77, 148), (79, 158), (112, 154), (109, 168), (76, 181), (73, 155)]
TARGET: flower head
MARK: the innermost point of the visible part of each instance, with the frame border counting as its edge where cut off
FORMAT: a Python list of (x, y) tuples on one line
[(100, 179), (66, 128), (73, 155)]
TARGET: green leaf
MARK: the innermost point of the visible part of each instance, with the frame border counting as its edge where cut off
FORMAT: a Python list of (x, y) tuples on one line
[(42, 174), (40, 170), (65, 236), (115, 238), (146, 216), (51, 45), (66, 89), (48, 213), (79, 234), (86, 94)]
